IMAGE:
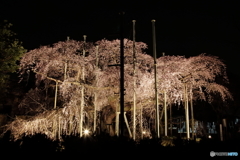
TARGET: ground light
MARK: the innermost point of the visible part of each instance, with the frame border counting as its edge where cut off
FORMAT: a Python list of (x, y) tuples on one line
[(86, 132)]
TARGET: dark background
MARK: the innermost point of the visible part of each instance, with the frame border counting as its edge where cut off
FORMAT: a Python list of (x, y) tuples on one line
[(182, 27)]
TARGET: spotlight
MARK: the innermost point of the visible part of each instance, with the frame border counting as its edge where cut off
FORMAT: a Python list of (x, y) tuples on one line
[(86, 132)]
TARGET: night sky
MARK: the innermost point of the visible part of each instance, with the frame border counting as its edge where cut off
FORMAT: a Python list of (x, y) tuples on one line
[(182, 27)]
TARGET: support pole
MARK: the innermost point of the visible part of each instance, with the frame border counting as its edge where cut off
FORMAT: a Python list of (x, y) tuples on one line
[(155, 77), (117, 124), (82, 93), (122, 77), (186, 111), (141, 121), (95, 97), (171, 125), (165, 104), (192, 113), (221, 132), (126, 121), (65, 71), (55, 99), (165, 114), (134, 83)]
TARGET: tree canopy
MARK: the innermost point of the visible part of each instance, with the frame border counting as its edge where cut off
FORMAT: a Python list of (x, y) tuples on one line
[(76, 78)]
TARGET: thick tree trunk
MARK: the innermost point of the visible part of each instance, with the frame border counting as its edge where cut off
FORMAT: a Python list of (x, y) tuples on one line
[(108, 116)]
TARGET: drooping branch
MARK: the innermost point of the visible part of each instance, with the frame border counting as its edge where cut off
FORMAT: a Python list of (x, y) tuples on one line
[(64, 64)]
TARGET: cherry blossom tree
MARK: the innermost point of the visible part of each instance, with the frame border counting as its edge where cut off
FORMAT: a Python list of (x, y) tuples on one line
[(109, 60), (77, 86), (191, 79), (201, 81), (59, 71)]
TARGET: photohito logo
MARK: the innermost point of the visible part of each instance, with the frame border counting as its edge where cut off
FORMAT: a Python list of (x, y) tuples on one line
[(212, 154)]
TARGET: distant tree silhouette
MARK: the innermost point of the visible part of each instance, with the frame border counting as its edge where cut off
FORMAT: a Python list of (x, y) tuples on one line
[(11, 50)]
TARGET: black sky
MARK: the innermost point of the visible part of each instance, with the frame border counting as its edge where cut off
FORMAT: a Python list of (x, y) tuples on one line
[(182, 27)]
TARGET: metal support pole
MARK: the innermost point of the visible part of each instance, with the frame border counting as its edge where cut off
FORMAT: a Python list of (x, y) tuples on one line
[(165, 114), (117, 124), (122, 77), (82, 93), (186, 112), (55, 99), (155, 77), (126, 121), (221, 132), (134, 83), (171, 125), (192, 113), (95, 97)]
